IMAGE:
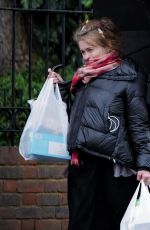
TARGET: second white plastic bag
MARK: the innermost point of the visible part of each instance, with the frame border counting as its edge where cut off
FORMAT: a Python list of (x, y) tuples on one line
[(137, 215), (45, 132)]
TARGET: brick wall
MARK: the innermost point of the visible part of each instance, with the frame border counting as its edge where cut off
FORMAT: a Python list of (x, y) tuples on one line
[(33, 194)]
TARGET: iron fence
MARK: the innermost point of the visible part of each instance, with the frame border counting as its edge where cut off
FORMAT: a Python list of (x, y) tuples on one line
[(13, 118)]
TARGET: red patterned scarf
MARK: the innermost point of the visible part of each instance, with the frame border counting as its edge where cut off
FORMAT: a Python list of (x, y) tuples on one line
[(95, 68)]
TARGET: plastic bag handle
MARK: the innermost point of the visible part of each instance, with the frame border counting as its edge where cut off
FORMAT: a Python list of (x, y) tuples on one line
[(57, 66), (57, 92), (46, 87), (142, 184)]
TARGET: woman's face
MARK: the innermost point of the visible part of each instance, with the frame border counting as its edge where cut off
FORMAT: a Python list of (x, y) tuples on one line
[(90, 50)]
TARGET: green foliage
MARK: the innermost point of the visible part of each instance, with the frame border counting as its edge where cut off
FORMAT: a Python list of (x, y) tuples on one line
[(21, 98), (35, 3), (51, 4), (22, 84), (55, 29), (87, 3), (57, 3)]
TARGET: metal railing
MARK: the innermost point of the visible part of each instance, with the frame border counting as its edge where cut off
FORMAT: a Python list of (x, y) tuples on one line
[(11, 125)]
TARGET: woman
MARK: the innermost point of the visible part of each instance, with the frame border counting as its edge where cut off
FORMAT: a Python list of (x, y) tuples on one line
[(109, 129)]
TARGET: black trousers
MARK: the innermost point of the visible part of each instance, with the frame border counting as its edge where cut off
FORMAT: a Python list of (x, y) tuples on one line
[(97, 200)]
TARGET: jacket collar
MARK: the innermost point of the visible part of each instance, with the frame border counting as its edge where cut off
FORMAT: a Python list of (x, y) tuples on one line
[(125, 72)]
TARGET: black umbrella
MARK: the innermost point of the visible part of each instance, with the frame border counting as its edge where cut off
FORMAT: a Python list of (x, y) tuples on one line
[(133, 18)]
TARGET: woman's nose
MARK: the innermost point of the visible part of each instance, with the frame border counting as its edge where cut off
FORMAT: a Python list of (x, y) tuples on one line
[(86, 57)]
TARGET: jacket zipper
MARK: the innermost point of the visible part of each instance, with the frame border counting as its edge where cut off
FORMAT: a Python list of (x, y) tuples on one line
[(99, 155)]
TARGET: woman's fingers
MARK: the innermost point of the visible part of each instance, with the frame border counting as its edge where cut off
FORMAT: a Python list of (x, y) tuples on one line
[(56, 77), (144, 175), (59, 77)]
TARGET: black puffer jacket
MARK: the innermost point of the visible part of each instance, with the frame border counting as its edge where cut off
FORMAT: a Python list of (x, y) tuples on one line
[(109, 117)]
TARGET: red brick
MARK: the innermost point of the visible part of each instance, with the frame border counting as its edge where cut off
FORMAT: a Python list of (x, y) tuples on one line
[(10, 186), (8, 155), (51, 186), (46, 212), (21, 179), (62, 212), (10, 224), (8, 213), (26, 212), (64, 199), (34, 212), (29, 172), (63, 185), (11, 156), (10, 172), (9, 199), (1, 185), (52, 161), (64, 224), (22, 161), (48, 199), (28, 199), (56, 185), (48, 225), (51, 171), (30, 186), (27, 225)]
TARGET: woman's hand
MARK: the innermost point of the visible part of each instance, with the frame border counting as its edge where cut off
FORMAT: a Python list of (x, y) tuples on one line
[(144, 175), (56, 77), (75, 159)]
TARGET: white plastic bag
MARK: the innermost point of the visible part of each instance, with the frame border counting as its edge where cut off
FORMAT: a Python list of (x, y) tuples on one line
[(45, 132), (137, 215)]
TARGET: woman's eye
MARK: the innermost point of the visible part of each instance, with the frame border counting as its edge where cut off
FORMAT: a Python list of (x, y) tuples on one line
[(90, 50)]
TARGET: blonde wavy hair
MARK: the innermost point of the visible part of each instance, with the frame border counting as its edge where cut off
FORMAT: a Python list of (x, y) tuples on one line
[(103, 32)]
